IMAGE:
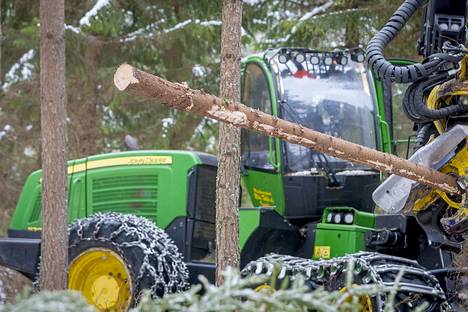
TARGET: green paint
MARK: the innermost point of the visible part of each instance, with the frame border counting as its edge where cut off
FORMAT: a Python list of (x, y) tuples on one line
[(386, 142), (249, 220), (261, 183), (156, 191), (342, 239)]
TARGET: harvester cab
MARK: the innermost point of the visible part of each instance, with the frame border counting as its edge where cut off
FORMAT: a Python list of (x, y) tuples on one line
[(330, 92)]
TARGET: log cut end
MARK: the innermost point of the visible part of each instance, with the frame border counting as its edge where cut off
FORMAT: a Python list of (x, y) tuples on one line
[(124, 76)]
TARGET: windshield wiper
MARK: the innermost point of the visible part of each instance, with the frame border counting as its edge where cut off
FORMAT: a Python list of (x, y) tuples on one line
[(325, 170)]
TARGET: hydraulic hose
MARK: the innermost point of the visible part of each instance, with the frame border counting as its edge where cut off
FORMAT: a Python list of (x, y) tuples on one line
[(375, 50), (424, 76), (423, 136)]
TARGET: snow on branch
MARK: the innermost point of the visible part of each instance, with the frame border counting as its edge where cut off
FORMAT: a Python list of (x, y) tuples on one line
[(22, 70), (85, 20), (149, 30), (304, 18)]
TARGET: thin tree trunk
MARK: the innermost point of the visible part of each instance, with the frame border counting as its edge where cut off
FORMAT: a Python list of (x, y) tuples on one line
[(88, 112), (228, 178), (54, 259)]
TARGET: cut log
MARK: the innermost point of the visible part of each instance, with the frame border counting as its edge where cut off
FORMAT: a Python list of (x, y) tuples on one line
[(132, 80)]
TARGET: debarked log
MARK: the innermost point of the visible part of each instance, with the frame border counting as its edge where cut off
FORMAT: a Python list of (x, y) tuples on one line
[(134, 81)]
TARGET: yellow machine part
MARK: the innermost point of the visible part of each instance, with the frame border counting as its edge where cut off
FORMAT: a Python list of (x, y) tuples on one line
[(103, 278), (458, 166), (441, 95), (364, 300)]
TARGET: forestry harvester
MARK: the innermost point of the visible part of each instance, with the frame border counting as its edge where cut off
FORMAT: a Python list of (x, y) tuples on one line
[(145, 219)]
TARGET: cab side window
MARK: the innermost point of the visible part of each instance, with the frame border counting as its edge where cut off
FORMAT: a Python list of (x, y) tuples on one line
[(255, 146)]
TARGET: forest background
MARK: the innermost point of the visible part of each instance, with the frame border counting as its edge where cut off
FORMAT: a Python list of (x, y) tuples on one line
[(178, 40)]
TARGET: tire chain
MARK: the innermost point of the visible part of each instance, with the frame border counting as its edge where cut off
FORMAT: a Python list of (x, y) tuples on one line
[(154, 241), (374, 268)]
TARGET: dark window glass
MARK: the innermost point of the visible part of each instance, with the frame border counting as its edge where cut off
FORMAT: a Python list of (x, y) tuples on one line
[(255, 146), (403, 134), (336, 101), (204, 231)]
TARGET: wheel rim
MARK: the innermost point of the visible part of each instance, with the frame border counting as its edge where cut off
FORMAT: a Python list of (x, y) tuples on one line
[(364, 300), (103, 278), (265, 288)]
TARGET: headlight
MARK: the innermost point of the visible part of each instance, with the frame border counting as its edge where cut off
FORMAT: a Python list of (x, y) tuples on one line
[(283, 58), (328, 60), (330, 217), (349, 218), (337, 218), (314, 60), (300, 58), (343, 60)]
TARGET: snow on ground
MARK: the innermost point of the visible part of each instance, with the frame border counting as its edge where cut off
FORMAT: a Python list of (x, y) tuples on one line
[(85, 20), (21, 70)]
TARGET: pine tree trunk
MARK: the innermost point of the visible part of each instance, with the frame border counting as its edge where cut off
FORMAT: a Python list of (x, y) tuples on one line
[(228, 179), (54, 259)]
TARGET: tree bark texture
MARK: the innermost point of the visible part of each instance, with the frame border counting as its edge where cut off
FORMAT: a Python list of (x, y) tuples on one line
[(178, 96), (54, 260), (228, 177)]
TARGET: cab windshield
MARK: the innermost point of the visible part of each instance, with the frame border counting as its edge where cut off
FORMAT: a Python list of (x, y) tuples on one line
[(334, 100)]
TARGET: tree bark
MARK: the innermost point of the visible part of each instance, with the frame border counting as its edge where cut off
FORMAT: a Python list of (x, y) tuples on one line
[(178, 96), (54, 259), (228, 177), (89, 132)]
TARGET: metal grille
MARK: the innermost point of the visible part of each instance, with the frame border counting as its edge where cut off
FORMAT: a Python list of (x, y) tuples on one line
[(136, 194), (36, 211)]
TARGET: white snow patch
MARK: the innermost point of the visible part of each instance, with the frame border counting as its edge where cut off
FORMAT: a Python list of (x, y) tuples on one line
[(8, 128), (149, 30), (72, 28), (209, 23), (355, 172), (2, 134), (2, 293), (22, 70), (251, 2), (168, 122), (312, 171), (29, 151), (128, 19), (310, 14), (85, 20), (198, 70), (178, 26), (29, 127)]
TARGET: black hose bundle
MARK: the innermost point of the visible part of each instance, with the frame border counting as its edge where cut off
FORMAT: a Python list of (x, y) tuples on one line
[(423, 135), (431, 72), (375, 49)]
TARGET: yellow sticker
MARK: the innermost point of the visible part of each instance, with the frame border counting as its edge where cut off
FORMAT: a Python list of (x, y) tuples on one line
[(322, 252), (121, 161), (265, 198)]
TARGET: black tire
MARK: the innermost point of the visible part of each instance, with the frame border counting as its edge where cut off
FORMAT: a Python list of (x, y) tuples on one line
[(152, 258)]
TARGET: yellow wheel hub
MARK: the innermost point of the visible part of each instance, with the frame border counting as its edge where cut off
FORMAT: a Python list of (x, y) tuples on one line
[(364, 300), (265, 288), (103, 278)]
